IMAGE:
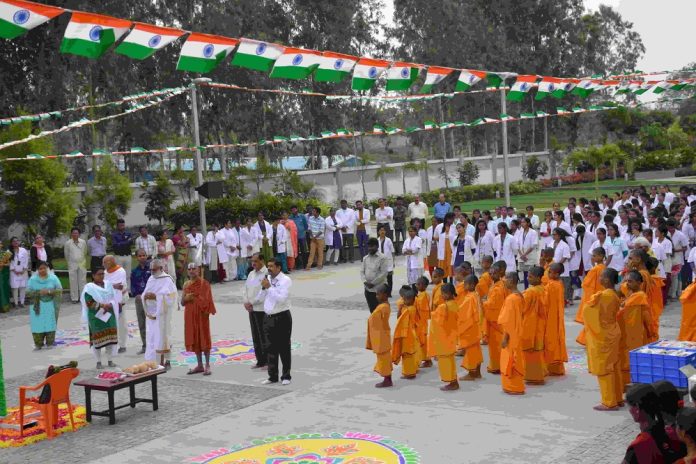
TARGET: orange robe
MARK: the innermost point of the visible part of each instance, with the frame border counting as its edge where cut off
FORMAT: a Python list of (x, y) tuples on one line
[(635, 322), (442, 339), (422, 318), (436, 297), (687, 329), (545, 278), (491, 309), (603, 342), (590, 286), (555, 352), (469, 331), (446, 264), (379, 338), (483, 287), (656, 303), (533, 329), (512, 367), (461, 293), (292, 229), (406, 347), (196, 316)]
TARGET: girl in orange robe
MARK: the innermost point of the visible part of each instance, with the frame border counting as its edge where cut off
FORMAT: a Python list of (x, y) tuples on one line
[(638, 260), (482, 288), (687, 329), (469, 332), (442, 339), (422, 318), (491, 310), (534, 326), (555, 352), (590, 286), (512, 366), (379, 337), (406, 347)]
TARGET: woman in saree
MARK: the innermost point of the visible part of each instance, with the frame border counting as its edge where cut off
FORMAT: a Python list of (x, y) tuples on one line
[(100, 313), (44, 294), (181, 245)]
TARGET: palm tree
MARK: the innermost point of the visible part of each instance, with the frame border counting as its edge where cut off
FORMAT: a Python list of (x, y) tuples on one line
[(595, 157), (365, 159), (408, 167), (381, 174)]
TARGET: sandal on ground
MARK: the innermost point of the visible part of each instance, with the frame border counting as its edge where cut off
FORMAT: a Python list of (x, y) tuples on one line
[(207, 371), (195, 370)]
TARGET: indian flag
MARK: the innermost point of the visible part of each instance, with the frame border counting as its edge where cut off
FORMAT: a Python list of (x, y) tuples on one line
[(577, 109), (495, 80), (256, 55), (627, 87), (296, 63), (468, 78), (343, 132), (435, 75), (144, 40), (546, 87), (393, 130), (662, 86), (202, 53), (541, 114), (507, 117), (527, 116), (296, 138), (560, 110), (584, 88), (491, 121), (18, 17), (679, 85), (377, 129), (334, 67), (521, 87), (401, 75), (429, 125), (280, 139), (477, 122), (91, 35), (366, 73), (644, 87), (327, 134), (566, 86)]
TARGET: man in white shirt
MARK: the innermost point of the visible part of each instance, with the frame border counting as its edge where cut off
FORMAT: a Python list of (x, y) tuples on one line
[(75, 252), (533, 218), (117, 276), (346, 216), (277, 325), (231, 242), (195, 246), (279, 240), (254, 306), (569, 210), (417, 210), (384, 216), (146, 242)]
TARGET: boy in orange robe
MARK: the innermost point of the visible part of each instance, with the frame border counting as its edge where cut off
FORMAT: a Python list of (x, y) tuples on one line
[(379, 336), (657, 304), (545, 261), (491, 310), (590, 286), (639, 260), (635, 322), (483, 287), (687, 329), (197, 298), (406, 347), (469, 332), (460, 274), (442, 339), (422, 318), (512, 367), (534, 327), (603, 340), (555, 352)]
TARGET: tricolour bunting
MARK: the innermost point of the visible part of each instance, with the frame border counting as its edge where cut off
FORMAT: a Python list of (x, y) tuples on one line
[(401, 75), (585, 88), (296, 63), (468, 78), (90, 35), (521, 86), (144, 40), (366, 73), (547, 86), (435, 75), (566, 86), (202, 53), (334, 67), (256, 55), (17, 17)]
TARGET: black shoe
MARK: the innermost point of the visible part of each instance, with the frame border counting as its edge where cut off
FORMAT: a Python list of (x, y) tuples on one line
[(142, 350)]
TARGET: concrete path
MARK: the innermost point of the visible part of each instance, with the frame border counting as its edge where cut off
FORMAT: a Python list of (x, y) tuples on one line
[(332, 391)]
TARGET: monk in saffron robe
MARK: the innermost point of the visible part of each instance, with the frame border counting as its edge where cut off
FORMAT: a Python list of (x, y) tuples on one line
[(603, 340), (590, 286), (635, 321), (197, 299), (491, 309), (545, 261), (638, 260), (469, 331), (534, 327), (406, 347), (442, 339), (460, 274), (687, 329), (422, 318), (512, 367), (483, 287), (379, 337), (555, 352)]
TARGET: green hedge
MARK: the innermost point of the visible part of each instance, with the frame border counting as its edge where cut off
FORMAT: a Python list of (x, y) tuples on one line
[(222, 209), (468, 193), (665, 159)]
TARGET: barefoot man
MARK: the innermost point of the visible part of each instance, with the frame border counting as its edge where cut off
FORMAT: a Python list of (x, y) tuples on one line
[(161, 301), (198, 306)]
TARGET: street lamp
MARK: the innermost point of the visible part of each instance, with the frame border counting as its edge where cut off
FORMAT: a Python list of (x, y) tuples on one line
[(197, 141)]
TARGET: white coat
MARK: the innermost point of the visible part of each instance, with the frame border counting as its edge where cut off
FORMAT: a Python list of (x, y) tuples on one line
[(247, 238), (365, 220), (527, 241), (259, 235), (505, 251), (586, 251), (20, 263), (561, 252), (414, 245), (217, 241), (282, 236), (484, 247), (331, 226), (231, 241), (441, 239), (386, 247), (469, 248), (348, 218)]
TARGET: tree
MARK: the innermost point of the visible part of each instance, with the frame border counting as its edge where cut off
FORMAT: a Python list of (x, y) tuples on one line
[(160, 197), (264, 171), (676, 137), (112, 193), (290, 184), (185, 182), (534, 168), (468, 173), (364, 159), (408, 167), (595, 157), (381, 174), (35, 193)]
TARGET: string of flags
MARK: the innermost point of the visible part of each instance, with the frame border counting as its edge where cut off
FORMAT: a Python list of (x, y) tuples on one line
[(377, 130), (92, 35)]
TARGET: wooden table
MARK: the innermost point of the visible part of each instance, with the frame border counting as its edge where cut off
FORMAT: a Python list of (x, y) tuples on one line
[(110, 387)]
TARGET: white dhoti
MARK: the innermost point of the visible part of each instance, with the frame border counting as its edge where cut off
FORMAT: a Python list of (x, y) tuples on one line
[(122, 328), (118, 277), (152, 340), (158, 343), (230, 269)]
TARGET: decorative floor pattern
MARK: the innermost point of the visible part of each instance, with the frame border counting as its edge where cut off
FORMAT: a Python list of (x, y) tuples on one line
[(80, 336), (10, 438), (314, 448), (224, 352)]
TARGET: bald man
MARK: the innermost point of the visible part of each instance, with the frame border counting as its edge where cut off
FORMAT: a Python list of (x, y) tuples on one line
[(118, 278)]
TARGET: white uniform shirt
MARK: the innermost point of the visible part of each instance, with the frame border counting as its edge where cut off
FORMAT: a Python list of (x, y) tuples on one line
[(505, 250), (419, 210), (252, 288), (561, 252), (545, 232), (331, 225), (608, 248), (440, 236), (484, 247), (385, 216), (248, 242), (386, 247), (414, 245), (662, 251), (618, 260), (347, 218), (276, 298), (528, 240), (679, 241)]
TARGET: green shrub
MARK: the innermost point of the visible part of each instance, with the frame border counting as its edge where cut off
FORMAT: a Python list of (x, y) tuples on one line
[(660, 159)]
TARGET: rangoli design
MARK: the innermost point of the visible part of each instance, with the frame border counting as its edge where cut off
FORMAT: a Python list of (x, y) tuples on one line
[(224, 352), (314, 448), (80, 336)]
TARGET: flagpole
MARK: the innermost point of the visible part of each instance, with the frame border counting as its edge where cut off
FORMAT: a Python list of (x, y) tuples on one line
[(197, 141), (506, 164)]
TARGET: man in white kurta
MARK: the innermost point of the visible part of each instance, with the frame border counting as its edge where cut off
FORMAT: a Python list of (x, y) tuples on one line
[(117, 277), (231, 242), (161, 301), (75, 252)]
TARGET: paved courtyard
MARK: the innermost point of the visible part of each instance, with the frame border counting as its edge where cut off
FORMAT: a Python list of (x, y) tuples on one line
[(332, 393)]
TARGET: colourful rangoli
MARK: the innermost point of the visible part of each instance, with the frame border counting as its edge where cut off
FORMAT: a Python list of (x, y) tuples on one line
[(223, 352)]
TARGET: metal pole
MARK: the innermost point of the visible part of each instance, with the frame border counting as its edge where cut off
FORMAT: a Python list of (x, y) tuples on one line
[(546, 134), (199, 163), (506, 166), (444, 144)]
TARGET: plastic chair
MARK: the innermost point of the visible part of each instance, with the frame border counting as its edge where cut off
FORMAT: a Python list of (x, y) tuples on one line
[(60, 393)]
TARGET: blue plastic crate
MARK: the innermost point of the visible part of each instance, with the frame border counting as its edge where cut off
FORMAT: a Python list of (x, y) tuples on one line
[(648, 368)]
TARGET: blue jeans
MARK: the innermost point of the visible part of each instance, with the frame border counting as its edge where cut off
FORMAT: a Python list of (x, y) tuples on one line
[(362, 242)]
